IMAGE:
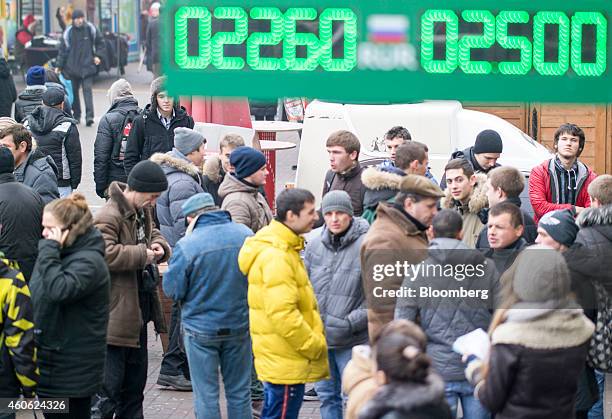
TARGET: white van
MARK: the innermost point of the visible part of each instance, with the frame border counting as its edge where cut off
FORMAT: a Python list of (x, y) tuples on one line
[(443, 125)]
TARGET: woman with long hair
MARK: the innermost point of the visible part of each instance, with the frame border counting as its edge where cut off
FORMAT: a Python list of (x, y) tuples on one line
[(70, 290), (539, 340)]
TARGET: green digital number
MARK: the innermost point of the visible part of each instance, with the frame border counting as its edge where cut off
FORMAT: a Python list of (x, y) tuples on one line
[(521, 43), (256, 39), (429, 18), (240, 34), (467, 42), (599, 66), (293, 39), (540, 20), (327, 17), (181, 56)]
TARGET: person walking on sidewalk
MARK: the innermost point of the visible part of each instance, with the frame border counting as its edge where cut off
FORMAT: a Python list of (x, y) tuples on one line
[(58, 136), (152, 41), (133, 247), (81, 47), (286, 328), (332, 261), (7, 86), (70, 295), (153, 130), (204, 277)]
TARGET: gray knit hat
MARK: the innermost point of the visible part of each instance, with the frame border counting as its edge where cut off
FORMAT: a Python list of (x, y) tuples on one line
[(119, 89), (337, 201), (187, 140)]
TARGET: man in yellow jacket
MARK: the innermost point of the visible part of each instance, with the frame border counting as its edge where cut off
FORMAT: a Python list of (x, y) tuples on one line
[(286, 328)]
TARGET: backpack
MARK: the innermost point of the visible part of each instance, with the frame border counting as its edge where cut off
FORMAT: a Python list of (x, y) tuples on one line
[(121, 141), (600, 346)]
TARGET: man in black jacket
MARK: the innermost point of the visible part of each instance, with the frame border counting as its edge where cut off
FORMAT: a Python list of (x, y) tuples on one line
[(152, 40), (81, 47), (114, 128), (505, 231), (7, 86), (153, 131), (21, 217), (57, 136)]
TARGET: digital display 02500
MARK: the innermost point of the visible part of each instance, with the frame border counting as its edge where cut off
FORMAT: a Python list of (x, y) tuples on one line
[(332, 52)]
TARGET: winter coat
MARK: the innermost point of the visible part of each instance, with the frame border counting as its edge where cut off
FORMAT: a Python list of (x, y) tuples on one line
[(18, 373), (335, 274), (204, 277), (7, 87), (382, 184), (245, 203), (28, 101), (350, 182), (445, 320), (543, 195), (530, 230), (470, 212), (126, 258), (467, 154), (409, 400), (286, 329), (78, 47), (39, 172), (58, 136), (70, 294), (108, 168), (358, 381), (183, 183), (213, 177), (535, 365), (149, 136), (152, 42), (393, 237), (21, 216)]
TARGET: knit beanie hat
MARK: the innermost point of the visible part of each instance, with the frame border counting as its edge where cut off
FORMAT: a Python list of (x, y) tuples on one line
[(6, 121), (198, 202), (488, 141), (35, 76), (246, 161), (77, 14), (337, 201), (561, 226), (119, 89), (7, 161), (187, 140), (28, 19), (147, 176), (52, 96)]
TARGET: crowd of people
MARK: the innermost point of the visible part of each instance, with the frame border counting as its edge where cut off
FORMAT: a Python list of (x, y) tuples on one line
[(273, 301)]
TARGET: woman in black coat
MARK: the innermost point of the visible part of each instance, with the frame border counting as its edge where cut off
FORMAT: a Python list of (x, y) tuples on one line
[(70, 293), (7, 87)]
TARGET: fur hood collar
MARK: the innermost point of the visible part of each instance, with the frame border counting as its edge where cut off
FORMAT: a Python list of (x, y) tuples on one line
[(172, 161), (478, 199), (376, 179), (591, 217), (213, 170)]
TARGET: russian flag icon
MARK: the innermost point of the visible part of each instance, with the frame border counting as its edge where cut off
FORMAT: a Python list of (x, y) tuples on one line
[(388, 29)]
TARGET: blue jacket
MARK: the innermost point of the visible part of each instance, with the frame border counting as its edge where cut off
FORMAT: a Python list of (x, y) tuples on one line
[(203, 275)]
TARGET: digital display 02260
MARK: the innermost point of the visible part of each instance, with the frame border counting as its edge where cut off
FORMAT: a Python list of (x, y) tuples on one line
[(391, 51)]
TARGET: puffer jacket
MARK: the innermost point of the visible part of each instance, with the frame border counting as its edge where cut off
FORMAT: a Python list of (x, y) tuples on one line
[(470, 212), (7, 87), (39, 172), (245, 203), (335, 273), (108, 168), (126, 259), (286, 329), (58, 136), (382, 184), (212, 177), (183, 183), (149, 136), (445, 320), (27, 101), (467, 154), (70, 294)]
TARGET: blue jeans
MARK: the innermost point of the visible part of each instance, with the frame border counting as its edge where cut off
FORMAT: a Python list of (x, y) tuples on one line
[(462, 390), (596, 411), (64, 191), (282, 401), (330, 391), (205, 353)]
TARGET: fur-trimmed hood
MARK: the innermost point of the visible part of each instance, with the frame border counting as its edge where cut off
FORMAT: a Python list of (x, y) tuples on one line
[(173, 162), (478, 199), (213, 169), (592, 217), (374, 178)]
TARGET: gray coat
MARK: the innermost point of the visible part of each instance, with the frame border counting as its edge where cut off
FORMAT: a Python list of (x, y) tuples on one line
[(336, 279), (445, 319), (39, 172)]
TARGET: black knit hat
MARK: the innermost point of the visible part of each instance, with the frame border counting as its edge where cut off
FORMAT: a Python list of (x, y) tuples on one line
[(7, 161), (77, 14), (147, 176), (561, 226), (246, 161), (488, 141)]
